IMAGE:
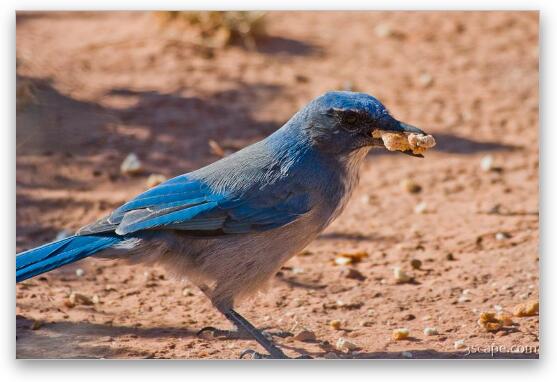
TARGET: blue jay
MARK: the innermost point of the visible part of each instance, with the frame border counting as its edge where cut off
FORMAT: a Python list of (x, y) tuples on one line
[(228, 227)]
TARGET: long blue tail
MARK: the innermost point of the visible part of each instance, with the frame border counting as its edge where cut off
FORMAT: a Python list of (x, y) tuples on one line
[(53, 255)]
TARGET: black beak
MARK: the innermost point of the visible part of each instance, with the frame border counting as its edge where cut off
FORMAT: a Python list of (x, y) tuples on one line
[(401, 127)]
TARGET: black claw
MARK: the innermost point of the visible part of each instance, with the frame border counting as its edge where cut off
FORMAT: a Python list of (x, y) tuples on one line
[(253, 354), (211, 329)]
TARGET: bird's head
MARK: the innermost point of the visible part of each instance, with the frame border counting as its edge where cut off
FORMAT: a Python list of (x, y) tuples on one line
[(341, 122)]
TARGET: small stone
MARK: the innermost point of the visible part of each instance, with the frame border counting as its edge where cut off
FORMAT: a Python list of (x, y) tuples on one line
[(400, 334), (502, 236), (400, 276), (305, 336), (96, 299), (79, 272), (430, 331), (407, 354), (36, 325), (335, 324), (341, 260), (77, 298), (186, 292), (367, 323), (459, 344), (415, 263), (486, 163), (531, 308), (490, 322), (216, 148), (131, 165), (386, 31), (350, 258), (450, 257), (155, 179), (411, 186), (463, 299), (351, 273), (409, 317), (345, 345), (425, 80), (420, 208)]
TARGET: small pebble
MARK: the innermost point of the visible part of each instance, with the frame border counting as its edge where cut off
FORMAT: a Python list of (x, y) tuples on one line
[(407, 354), (502, 236), (459, 344), (305, 335), (463, 299), (216, 148), (400, 276), (79, 272), (420, 208), (450, 257), (335, 324), (77, 298), (415, 263), (486, 163), (425, 80), (531, 308), (430, 331), (131, 165), (343, 345), (155, 179), (351, 273), (411, 186), (400, 334)]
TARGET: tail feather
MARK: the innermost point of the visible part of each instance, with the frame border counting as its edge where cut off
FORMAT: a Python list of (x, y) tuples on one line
[(53, 255)]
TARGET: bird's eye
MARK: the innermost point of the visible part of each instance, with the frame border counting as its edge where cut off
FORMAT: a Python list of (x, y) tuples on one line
[(350, 119)]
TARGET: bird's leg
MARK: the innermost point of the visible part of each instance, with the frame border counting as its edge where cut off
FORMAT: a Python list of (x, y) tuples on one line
[(239, 333), (242, 324)]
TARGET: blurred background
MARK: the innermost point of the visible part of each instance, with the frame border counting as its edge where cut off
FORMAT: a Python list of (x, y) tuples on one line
[(111, 103)]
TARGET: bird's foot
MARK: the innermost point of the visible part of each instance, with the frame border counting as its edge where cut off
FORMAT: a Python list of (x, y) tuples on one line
[(256, 355), (240, 335), (222, 333)]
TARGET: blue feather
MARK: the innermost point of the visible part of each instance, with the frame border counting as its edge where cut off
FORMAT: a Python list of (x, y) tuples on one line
[(53, 255)]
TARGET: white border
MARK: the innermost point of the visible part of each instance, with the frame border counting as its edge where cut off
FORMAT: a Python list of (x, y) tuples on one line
[(262, 371)]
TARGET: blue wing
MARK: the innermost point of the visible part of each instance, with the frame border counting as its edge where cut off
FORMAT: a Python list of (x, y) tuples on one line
[(189, 204)]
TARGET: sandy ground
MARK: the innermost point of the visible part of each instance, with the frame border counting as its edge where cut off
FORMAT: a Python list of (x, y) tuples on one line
[(103, 85)]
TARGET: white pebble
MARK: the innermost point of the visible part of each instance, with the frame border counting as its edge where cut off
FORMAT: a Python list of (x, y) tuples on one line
[(343, 344), (400, 275), (131, 165), (486, 163), (459, 344), (407, 354), (462, 299), (79, 272), (430, 331), (420, 208), (154, 180), (502, 236)]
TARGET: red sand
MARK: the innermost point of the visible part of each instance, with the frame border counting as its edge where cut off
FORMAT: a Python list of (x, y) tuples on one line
[(106, 84)]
